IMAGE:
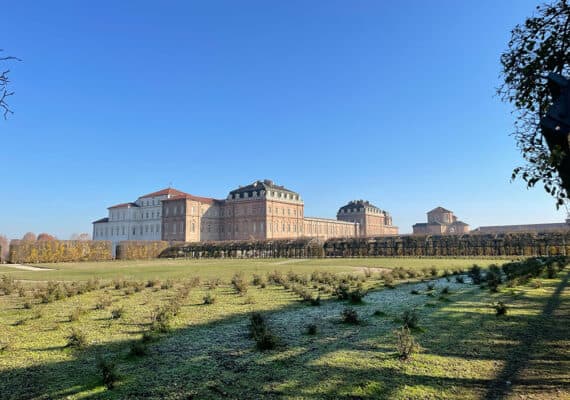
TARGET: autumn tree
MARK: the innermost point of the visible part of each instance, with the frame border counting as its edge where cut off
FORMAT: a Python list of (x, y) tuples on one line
[(45, 237), (29, 237), (538, 47)]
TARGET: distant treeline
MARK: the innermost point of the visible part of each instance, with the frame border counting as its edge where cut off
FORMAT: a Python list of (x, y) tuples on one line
[(519, 244), (52, 251)]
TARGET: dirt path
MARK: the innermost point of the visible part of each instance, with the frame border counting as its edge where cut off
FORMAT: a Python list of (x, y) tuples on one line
[(25, 267), (373, 269)]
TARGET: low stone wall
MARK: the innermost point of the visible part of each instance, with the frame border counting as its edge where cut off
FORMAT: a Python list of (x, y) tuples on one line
[(140, 250), (52, 251)]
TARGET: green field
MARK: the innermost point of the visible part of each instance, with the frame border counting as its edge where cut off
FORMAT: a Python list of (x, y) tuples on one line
[(467, 352), (225, 268)]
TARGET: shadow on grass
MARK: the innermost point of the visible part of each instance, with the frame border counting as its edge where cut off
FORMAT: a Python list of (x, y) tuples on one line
[(217, 360)]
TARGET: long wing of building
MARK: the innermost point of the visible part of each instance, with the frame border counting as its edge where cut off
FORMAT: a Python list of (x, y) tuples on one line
[(261, 210)]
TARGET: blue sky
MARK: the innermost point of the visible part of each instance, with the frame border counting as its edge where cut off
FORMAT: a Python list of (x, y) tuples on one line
[(388, 101)]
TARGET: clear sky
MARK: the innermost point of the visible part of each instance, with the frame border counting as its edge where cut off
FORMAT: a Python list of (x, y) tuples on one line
[(389, 101)]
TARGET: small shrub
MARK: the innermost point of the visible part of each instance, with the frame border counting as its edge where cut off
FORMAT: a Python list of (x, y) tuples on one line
[(104, 301), (21, 292), (551, 270), (276, 278), (460, 279), (240, 283), (342, 291), (445, 290), (168, 284), (493, 278), (152, 283), (258, 280), (410, 318), (475, 274), (4, 347), (379, 313), (259, 331), (415, 291), (209, 298), (28, 305), (500, 308), (433, 271), (350, 316), (537, 284), (368, 272), (75, 314), (312, 329), (406, 344), (430, 286), (214, 283), (76, 338), (148, 336), (160, 319), (129, 291), (138, 348), (108, 371), (315, 301), (120, 284), (117, 313), (355, 296)]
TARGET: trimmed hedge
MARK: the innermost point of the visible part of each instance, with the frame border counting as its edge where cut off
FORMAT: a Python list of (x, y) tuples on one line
[(52, 251), (139, 250), (506, 245)]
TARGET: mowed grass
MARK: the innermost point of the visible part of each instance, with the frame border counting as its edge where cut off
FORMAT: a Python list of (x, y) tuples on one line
[(225, 268), (467, 351)]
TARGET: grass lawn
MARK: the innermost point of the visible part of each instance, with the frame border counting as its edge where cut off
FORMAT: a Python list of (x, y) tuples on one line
[(225, 268), (467, 351)]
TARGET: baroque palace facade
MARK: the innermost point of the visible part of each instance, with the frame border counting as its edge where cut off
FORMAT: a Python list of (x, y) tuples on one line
[(261, 211)]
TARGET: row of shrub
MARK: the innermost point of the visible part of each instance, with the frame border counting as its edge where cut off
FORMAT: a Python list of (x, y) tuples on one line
[(518, 272)]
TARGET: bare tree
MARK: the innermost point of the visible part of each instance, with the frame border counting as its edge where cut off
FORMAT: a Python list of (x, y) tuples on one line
[(5, 247), (4, 90), (29, 237), (80, 236)]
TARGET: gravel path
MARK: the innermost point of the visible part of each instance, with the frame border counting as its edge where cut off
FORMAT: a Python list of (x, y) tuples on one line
[(25, 267)]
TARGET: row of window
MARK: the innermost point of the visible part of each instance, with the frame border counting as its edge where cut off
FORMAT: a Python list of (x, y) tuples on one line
[(122, 215), (122, 230)]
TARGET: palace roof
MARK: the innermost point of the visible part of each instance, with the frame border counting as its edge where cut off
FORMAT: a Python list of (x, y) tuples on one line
[(101, 220), (124, 205), (164, 192), (356, 205), (440, 209), (207, 200), (257, 186)]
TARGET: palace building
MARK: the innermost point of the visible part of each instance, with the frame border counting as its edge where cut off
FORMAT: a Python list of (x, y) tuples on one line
[(261, 211), (441, 222)]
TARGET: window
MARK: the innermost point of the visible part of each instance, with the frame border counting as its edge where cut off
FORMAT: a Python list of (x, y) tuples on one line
[(174, 227), (134, 231), (123, 230), (193, 226)]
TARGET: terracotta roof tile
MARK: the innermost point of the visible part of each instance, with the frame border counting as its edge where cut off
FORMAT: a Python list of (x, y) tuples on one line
[(164, 192)]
